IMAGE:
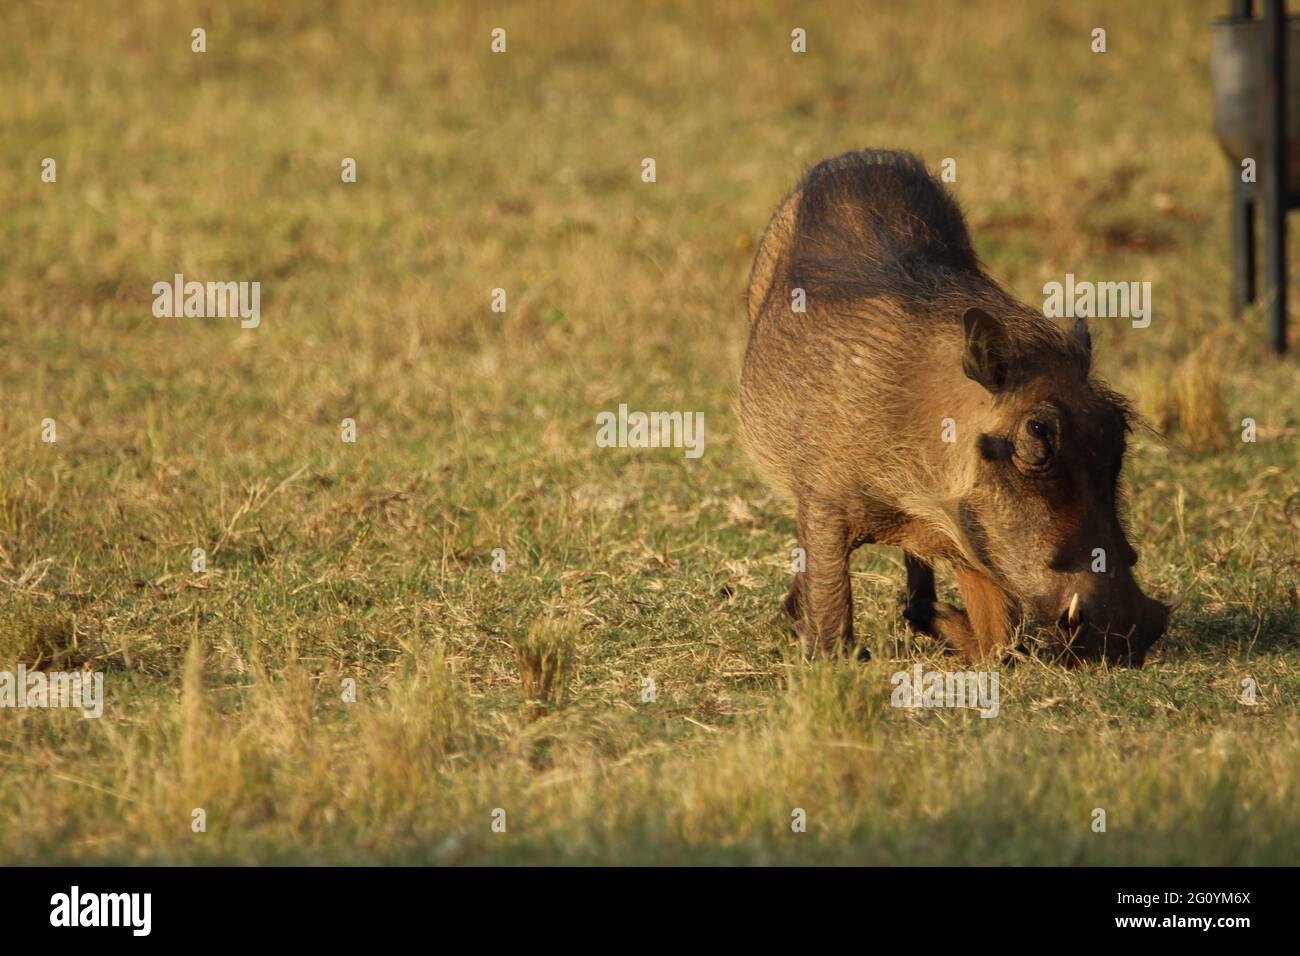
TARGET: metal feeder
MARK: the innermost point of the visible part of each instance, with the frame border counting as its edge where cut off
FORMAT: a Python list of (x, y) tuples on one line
[(1257, 116)]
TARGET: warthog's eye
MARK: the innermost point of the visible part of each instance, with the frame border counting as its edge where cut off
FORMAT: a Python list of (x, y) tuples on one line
[(1037, 441)]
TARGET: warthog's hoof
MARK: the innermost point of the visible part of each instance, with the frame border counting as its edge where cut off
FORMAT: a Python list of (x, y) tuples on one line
[(857, 652), (813, 649)]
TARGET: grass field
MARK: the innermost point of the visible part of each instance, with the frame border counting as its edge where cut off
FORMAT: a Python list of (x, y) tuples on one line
[(373, 560)]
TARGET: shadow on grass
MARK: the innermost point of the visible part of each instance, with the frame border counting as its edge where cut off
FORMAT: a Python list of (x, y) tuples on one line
[(1246, 631)]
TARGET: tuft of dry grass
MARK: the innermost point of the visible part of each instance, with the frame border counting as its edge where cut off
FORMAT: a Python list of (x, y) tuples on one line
[(1186, 402), (1201, 414), (41, 638), (545, 655)]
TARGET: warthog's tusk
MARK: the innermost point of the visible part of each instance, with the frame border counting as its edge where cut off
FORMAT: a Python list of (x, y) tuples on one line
[(1177, 602), (1073, 614)]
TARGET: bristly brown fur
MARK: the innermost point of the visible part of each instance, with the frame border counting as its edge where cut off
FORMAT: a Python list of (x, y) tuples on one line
[(842, 403)]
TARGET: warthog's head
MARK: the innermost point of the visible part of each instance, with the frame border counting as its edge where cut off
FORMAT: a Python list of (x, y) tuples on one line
[(1045, 512)]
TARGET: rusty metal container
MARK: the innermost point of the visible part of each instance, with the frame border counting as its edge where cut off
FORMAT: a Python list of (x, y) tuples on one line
[(1237, 71)]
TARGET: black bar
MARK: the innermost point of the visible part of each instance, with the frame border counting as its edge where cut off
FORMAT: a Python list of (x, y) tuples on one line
[(337, 910), (1275, 170)]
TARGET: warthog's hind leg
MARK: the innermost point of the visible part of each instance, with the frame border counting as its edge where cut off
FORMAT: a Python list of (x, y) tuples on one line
[(920, 610)]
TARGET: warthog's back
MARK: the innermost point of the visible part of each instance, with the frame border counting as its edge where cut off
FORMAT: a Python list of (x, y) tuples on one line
[(863, 224)]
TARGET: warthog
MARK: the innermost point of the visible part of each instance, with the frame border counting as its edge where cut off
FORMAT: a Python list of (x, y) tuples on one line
[(898, 395)]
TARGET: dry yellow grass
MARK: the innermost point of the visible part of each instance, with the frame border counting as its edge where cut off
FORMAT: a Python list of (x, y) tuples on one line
[(329, 562), (1186, 403)]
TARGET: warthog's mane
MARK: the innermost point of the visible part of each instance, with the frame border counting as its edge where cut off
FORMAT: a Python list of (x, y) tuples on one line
[(875, 225)]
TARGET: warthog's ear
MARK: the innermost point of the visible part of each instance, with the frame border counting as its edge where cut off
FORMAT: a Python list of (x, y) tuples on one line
[(987, 356), (1083, 343)]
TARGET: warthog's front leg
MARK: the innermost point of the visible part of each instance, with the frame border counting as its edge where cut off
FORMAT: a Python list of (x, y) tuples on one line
[(981, 630), (821, 599)]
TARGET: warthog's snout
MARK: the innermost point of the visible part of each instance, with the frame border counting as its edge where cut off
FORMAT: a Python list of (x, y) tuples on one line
[(1120, 627)]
